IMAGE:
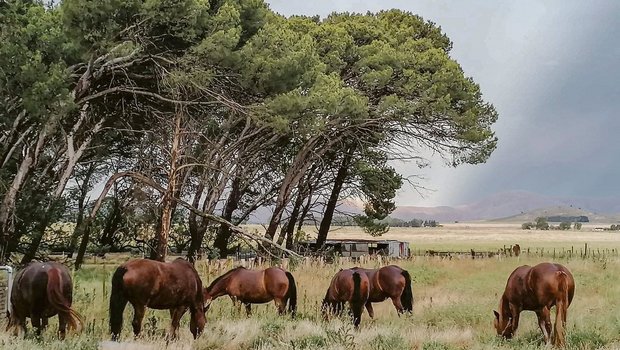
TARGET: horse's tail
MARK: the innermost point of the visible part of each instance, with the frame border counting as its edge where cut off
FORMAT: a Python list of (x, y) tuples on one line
[(357, 290), (357, 303), (59, 302), (291, 294), (561, 304), (118, 301), (406, 298)]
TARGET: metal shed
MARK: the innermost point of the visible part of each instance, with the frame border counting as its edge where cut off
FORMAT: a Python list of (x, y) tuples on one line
[(358, 247)]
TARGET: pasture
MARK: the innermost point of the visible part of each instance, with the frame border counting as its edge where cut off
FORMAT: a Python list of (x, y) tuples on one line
[(453, 303)]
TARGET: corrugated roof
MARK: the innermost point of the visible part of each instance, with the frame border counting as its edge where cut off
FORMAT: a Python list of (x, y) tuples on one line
[(357, 241)]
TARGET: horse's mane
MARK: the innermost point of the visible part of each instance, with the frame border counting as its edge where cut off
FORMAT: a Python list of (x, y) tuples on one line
[(226, 275)]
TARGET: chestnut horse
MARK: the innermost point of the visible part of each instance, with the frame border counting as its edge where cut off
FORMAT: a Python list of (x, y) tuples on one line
[(148, 283), (350, 286), (389, 282), (42, 290), (536, 289), (255, 287)]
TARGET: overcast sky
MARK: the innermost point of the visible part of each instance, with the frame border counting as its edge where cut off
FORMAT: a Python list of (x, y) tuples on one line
[(552, 70)]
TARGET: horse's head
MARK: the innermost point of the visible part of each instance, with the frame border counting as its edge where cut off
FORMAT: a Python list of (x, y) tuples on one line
[(503, 325)]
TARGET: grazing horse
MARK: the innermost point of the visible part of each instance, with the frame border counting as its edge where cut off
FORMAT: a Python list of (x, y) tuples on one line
[(255, 287), (350, 286), (42, 290), (536, 289), (148, 283), (389, 282)]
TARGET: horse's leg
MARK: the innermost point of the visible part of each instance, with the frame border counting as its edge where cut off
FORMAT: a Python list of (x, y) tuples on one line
[(544, 322), (547, 313), (138, 315), (371, 312), (44, 322), (281, 305), (62, 325), (236, 303), (340, 308), (21, 327), (398, 305), (248, 309), (515, 311), (356, 313), (175, 315), (35, 319)]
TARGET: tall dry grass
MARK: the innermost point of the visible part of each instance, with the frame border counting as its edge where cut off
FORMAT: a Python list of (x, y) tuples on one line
[(453, 307)]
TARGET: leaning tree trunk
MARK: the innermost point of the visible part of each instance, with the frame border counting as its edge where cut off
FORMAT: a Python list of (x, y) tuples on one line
[(7, 207), (224, 233), (289, 228), (81, 208), (196, 229), (39, 232), (294, 174), (73, 155), (168, 202), (328, 214)]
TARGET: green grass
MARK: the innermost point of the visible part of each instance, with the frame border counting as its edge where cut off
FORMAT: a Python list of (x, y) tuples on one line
[(453, 307)]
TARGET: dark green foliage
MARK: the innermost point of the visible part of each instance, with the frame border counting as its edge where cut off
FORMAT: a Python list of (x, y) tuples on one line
[(272, 104), (565, 225), (541, 223), (528, 225)]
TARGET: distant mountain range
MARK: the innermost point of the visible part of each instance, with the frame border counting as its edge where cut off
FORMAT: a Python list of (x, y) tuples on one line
[(513, 206), (517, 206)]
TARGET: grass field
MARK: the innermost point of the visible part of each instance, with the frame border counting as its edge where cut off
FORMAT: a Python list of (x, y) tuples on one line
[(489, 236), (453, 304)]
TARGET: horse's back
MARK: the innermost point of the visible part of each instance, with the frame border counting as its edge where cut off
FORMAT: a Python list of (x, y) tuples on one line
[(257, 286), (343, 284), (31, 285), (159, 284), (275, 280), (391, 279), (538, 286), (546, 280)]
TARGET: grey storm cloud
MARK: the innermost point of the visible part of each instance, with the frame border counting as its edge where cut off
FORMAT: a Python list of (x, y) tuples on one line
[(551, 69)]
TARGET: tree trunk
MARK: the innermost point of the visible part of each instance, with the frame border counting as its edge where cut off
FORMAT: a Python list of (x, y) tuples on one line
[(112, 224), (8, 204), (306, 210), (37, 235), (81, 208), (291, 179), (232, 203), (168, 201), (312, 150), (289, 230), (328, 214), (73, 156), (196, 230), (84, 230)]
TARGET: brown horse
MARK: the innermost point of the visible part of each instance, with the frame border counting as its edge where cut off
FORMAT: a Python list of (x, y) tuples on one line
[(147, 283), (389, 282), (42, 290), (255, 287), (536, 289), (350, 286)]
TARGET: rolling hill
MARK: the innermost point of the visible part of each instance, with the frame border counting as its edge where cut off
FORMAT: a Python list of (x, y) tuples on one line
[(510, 206), (517, 206)]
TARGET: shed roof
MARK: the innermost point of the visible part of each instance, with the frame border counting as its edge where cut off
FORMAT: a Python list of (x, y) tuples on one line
[(358, 241)]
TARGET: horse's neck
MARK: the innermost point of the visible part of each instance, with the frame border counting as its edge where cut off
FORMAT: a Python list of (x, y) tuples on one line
[(219, 288), (504, 307)]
